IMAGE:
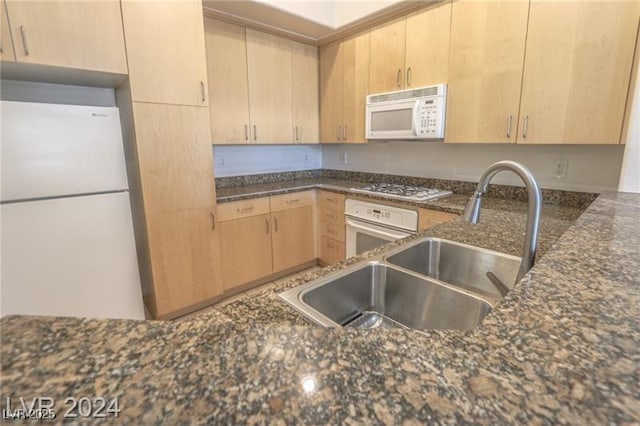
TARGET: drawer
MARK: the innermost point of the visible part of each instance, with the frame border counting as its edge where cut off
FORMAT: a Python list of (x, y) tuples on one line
[(291, 200), (333, 215), (243, 208), (428, 218), (330, 199), (331, 251), (332, 230)]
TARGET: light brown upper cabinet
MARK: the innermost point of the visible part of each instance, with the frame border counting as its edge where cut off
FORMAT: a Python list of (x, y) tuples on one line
[(228, 89), (176, 175), (74, 34), (263, 88), (355, 70), (304, 80), (485, 70), (411, 51), (427, 40), (270, 91), (166, 51), (6, 46), (577, 69), (387, 56), (344, 71)]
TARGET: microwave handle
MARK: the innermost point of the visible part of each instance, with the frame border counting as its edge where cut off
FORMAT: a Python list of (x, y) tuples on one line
[(417, 125)]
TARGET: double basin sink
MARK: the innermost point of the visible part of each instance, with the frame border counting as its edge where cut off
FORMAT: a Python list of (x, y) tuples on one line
[(430, 284)]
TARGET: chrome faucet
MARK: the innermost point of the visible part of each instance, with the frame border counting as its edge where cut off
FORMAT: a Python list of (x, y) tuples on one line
[(472, 211)]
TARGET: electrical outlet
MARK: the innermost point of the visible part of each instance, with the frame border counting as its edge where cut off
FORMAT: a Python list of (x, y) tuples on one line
[(560, 167), (221, 161), (344, 158), (306, 157)]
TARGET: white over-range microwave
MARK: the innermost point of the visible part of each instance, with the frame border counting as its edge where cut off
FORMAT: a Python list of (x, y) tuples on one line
[(407, 114)]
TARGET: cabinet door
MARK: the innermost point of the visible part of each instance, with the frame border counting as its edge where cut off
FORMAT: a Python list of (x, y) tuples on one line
[(166, 52), (355, 57), (269, 65), (428, 45), (387, 57), (6, 46), (485, 70), (227, 75), (331, 92), (293, 237), (304, 70), (75, 34), (185, 260), (245, 250), (175, 157), (577, 68)]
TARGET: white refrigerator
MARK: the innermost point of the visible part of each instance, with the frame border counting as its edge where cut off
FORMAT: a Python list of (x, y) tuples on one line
[(67, 243)]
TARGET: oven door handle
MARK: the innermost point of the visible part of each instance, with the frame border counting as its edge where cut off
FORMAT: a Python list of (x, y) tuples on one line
[(388, 234)]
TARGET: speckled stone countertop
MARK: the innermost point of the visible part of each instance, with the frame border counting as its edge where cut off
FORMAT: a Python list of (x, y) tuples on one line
[(562, 347)]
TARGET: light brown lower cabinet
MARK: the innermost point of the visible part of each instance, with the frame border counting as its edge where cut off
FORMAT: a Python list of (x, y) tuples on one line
[(245, 250), (292, 238), (264, 236), (428, 218), (331, 251), (184, 259)]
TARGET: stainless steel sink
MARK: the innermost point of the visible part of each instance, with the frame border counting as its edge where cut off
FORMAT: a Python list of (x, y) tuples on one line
[(376, 294), (478, 270)]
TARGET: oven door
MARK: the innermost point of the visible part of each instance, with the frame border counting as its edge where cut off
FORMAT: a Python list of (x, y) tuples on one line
[(363, 236), (392, 120)]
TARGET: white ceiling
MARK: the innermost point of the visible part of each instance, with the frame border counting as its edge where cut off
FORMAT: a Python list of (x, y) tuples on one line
[(313, 20)]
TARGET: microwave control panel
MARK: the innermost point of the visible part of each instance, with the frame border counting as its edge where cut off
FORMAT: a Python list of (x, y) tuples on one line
[(430, 118)]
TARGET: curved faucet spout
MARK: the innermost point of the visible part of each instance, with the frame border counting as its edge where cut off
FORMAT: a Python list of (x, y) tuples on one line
[(472, 210)]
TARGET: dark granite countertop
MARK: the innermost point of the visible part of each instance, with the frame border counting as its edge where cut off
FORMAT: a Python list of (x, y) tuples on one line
[(453, 203), (562, 347)]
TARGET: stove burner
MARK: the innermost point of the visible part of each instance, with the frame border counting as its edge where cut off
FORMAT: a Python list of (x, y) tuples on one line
[(403, 192)]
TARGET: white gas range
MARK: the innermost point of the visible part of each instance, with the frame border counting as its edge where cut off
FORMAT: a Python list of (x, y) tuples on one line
[(370, 225)]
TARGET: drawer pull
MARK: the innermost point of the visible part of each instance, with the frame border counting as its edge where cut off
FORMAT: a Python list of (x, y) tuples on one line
[(331, 246), (244, 209), (333, 216), (331, 200), (295, 200), (331, 231)]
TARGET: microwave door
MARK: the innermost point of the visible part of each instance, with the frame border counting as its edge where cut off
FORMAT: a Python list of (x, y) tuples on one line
[(391, 121)]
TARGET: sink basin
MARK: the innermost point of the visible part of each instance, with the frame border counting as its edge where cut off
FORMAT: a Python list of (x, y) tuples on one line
[(377, 295), (475, 269)]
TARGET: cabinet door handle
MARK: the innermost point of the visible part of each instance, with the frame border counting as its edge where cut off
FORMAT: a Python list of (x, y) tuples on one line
[(23, 33), (255, 132), (213, 220), (509, 126), (244, 209), (202, 90), (275, 224), (266, 224), (297, 134), (339, 132), (408, 76), (525, 126), (246, 132), (295, 200), (398, 77), (344, 137)]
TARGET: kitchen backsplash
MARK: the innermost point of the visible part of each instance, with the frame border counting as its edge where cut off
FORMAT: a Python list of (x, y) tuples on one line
[(590, 168), (237, 160)]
